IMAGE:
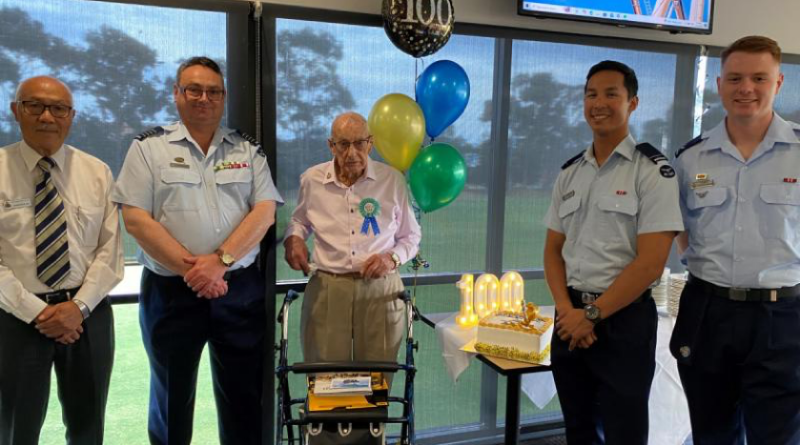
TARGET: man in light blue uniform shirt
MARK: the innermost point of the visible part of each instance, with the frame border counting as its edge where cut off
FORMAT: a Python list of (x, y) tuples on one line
[(613, 215), (737, 336), (198, 198)]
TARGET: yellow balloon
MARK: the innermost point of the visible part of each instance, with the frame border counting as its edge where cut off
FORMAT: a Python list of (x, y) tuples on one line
[(397, 126)]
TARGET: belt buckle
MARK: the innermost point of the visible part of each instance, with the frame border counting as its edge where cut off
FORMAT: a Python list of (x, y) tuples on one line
[(773, 295), (51, 296), (588, 298), (738, 293)]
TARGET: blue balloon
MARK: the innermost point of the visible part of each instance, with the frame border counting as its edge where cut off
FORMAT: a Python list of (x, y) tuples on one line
[(443, 94)]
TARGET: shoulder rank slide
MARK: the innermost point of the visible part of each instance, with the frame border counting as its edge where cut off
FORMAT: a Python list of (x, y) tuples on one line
[(688, 145), (155, 131), (651, 152), (572, 160), (253, 141)]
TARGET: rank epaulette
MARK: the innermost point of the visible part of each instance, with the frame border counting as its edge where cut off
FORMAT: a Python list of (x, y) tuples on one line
[(651, 152), (572, 160), (155, 131), (248, 138), (689, 145)]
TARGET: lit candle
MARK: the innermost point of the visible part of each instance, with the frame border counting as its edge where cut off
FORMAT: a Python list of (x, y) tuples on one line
[(486, 294), (512, 296), (466, 315)]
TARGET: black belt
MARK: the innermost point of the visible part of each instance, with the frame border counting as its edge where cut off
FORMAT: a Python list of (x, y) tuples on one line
[(58, 296), (234, 273), (580, 298), (745, 294)]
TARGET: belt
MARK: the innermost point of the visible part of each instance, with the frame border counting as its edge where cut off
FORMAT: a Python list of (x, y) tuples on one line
[(234, 273), (580, 298), (745, 294), (58, 296), (351, 275)]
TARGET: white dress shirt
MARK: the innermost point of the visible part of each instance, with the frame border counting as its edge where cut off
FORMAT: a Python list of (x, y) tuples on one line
[(95, 246), (330, 210)]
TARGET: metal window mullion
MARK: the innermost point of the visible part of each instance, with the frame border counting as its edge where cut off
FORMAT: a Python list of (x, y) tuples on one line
[(496, 207)]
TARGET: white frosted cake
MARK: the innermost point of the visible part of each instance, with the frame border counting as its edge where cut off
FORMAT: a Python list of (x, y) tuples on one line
[(512, 336)]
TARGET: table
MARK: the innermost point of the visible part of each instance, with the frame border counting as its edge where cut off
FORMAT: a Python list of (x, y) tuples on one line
[(511, 369), (669, 412)]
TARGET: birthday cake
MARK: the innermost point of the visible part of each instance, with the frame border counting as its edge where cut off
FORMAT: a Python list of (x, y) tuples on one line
[(516, 336)]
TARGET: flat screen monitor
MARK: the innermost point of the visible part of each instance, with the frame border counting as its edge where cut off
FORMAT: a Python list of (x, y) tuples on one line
[(694, 16)]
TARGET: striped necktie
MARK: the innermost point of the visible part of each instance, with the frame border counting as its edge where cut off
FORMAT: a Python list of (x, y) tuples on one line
[(52, 248)]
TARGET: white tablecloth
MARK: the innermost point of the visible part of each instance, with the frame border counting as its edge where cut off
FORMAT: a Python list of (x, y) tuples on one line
[(669, 414)]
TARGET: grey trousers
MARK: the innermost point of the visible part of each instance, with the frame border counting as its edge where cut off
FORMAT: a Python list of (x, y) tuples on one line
[(352, 319), (83, 371)]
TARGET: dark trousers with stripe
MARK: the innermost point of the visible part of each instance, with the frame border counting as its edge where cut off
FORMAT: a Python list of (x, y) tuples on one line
[(176, 326), (604, 390), (743, 376), (83, 373)]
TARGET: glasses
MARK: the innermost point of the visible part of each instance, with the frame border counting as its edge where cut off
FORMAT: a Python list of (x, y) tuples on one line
[(195, 92), (35, 108), (344, 144)]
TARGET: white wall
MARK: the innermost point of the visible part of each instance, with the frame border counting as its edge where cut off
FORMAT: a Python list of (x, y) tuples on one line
[(778, 19)]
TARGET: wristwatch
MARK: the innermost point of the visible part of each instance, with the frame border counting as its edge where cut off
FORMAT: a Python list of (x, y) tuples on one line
[(83, 307), (396, 259), (226, 259), (592, 313)]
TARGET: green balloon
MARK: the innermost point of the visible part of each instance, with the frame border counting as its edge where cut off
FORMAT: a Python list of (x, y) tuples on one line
[(437, 176)]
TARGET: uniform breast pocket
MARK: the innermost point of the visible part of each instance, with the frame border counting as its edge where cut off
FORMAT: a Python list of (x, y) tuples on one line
[(90, 220), (235, 187), (567, 211), (180, 189), (617, 216), (782, 215), (706, 208)]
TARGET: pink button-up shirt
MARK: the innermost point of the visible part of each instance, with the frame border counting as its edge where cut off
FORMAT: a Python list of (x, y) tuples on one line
[(330, 210)]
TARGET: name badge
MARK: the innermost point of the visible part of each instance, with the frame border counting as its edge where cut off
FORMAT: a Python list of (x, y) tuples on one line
[(176, 165), (17, 203)]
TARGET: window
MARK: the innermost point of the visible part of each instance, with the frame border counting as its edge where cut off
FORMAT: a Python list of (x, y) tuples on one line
[(120, 62), (546, 128), (787, 103)]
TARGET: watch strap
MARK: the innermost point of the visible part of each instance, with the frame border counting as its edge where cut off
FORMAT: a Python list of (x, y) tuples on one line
[(84, 308)]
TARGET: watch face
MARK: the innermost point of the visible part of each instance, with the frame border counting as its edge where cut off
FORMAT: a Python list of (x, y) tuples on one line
[(227, 259), (592, 312)]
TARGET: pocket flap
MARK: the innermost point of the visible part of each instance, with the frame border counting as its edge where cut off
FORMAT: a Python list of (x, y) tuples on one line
[(232, 176), (179, 175), (709, 197), (621, 204), (781, 193), (569, 206)]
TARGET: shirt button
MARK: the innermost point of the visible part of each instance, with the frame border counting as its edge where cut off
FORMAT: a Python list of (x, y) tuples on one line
[(738, 228), (218, 230), (352, 211), (352, 232), (741, 199), (353, 252), (738, 258), (616, 205)]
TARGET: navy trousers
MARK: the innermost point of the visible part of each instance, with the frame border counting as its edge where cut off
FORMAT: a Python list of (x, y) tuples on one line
[(604, 390), (83, 373), (740, 368), (176, 325)]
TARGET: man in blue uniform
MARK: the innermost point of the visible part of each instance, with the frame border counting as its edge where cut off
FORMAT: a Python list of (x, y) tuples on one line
[(737, 336), (613, 215), (198, 198)]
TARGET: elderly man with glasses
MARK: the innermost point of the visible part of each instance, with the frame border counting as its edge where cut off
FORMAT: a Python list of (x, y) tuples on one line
[(364, 229), (198, 198), (60, 255)]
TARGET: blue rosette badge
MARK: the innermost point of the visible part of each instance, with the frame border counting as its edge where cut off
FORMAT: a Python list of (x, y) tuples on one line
[(370, 209)]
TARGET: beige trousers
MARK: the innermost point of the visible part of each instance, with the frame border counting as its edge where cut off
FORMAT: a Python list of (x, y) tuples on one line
[(346, 318)]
